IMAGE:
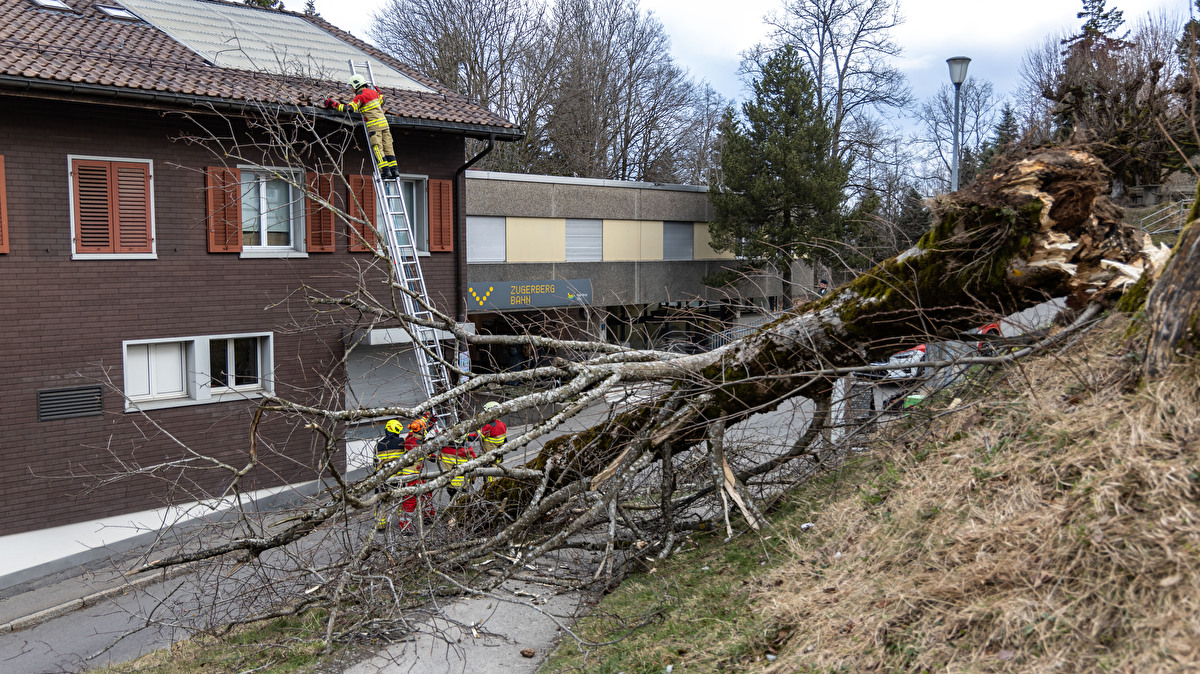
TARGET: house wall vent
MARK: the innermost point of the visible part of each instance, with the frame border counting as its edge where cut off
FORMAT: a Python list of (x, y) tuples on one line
[(68, 403)]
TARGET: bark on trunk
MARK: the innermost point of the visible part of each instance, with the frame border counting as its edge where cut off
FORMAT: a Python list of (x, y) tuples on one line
[(1173, 305)]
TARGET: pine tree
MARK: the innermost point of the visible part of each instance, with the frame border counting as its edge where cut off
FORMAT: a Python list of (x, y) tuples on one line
[(310, 8), (1099, 21), (269, 4), (1188, 47), (915, 219), (782, 188), (1005, 138)]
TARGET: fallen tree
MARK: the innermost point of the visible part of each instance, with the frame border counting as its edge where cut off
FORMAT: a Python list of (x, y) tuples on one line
[(1035, 228)]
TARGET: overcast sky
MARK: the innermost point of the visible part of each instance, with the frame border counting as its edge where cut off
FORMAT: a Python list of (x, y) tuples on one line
[(707, 36)]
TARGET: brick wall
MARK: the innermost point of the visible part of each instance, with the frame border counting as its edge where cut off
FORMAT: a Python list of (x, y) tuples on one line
[(62, 321)]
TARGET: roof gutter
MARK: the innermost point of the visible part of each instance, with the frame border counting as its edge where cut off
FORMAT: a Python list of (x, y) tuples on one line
[(223, 104)]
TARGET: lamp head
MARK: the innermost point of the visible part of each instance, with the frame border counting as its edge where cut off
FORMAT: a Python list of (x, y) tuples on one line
[(958, 69)]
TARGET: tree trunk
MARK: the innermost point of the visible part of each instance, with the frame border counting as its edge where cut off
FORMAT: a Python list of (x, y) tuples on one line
[(1173, 305)]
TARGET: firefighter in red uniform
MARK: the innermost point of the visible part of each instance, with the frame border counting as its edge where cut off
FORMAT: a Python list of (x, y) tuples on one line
[(417, 430), (394, 446), (369, 102), (493, 434)]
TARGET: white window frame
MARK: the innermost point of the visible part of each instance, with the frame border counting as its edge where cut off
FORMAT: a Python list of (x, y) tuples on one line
[(420, 215), (53, 4), (153, 254), (197, 373), (296, 216)]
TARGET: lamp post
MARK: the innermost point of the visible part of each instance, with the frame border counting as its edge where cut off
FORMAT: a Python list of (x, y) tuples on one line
[(958, 75)]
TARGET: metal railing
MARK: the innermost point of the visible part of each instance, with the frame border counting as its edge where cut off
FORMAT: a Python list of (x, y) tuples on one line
[(1169, 218), (738, 331)]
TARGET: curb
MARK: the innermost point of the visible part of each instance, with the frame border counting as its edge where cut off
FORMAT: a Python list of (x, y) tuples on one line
[(35, 619)]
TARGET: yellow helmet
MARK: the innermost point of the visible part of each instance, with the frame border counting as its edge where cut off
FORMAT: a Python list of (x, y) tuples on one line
[(394, 426), (491, 406), (357, 82), (417, 426)]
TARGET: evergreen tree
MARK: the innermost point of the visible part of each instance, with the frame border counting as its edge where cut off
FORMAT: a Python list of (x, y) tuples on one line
[(915, 219), (1188, 47), (1100, 22), (310, 8), (270, 4), (1005, 138), (781, 187), (1089, 61)]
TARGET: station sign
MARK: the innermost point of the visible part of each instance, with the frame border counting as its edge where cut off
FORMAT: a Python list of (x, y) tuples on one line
[(488, 296)]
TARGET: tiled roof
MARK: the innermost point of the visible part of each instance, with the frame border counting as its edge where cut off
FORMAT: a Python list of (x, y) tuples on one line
[(87, 47)]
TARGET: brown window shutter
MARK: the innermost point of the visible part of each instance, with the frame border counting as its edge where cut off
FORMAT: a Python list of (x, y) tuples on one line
[(222, 196), (131, 208), (3, 210), (441, 216), (93, 206), (319, 219), (362, 207)]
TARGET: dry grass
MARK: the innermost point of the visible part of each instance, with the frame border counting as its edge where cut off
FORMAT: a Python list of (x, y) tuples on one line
[(1056, 527)]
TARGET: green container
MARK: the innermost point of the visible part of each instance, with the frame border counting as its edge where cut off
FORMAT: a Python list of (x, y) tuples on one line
[(914, 400)]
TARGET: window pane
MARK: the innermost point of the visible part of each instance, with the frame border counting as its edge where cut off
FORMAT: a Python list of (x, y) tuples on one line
[(167, 366), (278, 216), (250, 217), (585, 240), (218, 362), (245, 361), (137, 370), (677, 240), (485, 238), (413, 192)]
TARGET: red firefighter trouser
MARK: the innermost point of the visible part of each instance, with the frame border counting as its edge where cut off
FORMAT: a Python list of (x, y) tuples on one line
[(452, 457), (409, 504)]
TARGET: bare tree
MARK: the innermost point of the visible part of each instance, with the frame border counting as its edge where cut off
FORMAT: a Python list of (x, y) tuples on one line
[(591, 82), (1116, 94), (848, 48), (623, 108), (700, 158), (506, 56), (979, 112)]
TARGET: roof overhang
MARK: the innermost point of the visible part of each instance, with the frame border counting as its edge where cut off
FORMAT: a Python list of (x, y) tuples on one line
[(170, 100)]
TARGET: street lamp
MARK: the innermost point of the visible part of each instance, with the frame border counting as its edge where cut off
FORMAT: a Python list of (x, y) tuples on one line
[(958, 75)]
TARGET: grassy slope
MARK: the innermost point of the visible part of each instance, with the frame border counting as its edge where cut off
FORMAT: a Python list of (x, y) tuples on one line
[(1053, 524)]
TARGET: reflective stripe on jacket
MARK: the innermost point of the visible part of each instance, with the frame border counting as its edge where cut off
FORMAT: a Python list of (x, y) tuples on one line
[(494, 432), (370, 103)]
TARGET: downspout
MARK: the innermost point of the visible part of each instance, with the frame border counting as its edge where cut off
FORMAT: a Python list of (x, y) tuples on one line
[(460, 233)]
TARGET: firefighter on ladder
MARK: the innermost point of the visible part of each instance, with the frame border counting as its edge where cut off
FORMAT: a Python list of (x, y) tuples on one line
[(394, 446), (369, 102), (493, 434)]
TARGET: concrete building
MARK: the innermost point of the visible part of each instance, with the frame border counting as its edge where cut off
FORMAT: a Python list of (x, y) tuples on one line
[(624, 262)]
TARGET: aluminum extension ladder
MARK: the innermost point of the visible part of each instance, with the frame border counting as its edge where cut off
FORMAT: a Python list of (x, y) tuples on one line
[(395, 225)]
